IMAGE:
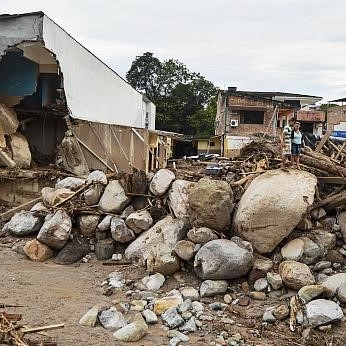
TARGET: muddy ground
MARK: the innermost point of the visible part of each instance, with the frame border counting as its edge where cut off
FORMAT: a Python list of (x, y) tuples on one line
[(52, 294)]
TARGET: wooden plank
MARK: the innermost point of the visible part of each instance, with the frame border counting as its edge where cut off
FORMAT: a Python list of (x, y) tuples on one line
[(7, 215), (40, 329), (94, 154), (340, 150), (323, 140), (332, 180)]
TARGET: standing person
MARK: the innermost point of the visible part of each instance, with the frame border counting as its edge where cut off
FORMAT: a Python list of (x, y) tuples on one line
[(286, 142), (297, 142)]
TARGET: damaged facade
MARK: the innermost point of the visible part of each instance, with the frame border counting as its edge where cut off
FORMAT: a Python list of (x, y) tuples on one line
[(243, 114), (55, 93), (60, 105)]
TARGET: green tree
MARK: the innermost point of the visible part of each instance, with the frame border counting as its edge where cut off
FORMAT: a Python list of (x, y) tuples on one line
[(182, 97)]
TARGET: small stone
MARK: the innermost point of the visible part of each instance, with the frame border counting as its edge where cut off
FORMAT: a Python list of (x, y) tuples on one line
[(295, 274), (325, 328), (177, 334), (320, 277), (268, 317), (210, 288), (244, 301), (185, 250), (138, 305), (293, 250), (281, 312), (189, 326), (185, 306), (322, 311), (227, 320), (189, 293), (227, 299), (154, 282), (274, 280), (186, 315), (149, 316), (245, 286), (206, 318), (112, 319), (322, 265), (89, 319), (261, 284), (342, 251), (133, 331), (341, 293), (172, 318), (327, 271), (139, 221), (38, 251), (163, 304), (310, 292), (197, 307), (257, 295), (217, 306), (201, 235)]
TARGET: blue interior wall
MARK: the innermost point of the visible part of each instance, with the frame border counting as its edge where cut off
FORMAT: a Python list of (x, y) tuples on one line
[(18, 75)]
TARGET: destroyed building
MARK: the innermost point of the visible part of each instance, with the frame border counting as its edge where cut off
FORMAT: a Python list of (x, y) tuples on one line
[(61, 105), (242, 114)]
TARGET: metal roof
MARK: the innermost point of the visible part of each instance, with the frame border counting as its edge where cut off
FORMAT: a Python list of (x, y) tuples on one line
[(339, 100)]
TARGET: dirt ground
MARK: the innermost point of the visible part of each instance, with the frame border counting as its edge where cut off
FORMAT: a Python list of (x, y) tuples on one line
[(53, 294)]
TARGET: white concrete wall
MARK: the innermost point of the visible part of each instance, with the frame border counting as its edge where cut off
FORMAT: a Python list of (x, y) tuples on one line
[(93, 91)]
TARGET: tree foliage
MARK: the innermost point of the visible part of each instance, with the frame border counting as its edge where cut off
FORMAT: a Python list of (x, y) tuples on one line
[(185, 101)]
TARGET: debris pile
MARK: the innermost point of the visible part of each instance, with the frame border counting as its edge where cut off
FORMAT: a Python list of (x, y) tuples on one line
[(282, 235)]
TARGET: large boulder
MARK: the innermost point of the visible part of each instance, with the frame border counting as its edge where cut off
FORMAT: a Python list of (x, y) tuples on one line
[(56, 230), (272, 206), (322, 311), (23, 223), (161, 182), (71, 183), (295, 275), (224, 259), (114, 199), (177, 198), (93, 193), (120, 232), (37, 251), (154, 247), (139, 221), (19, 146), (87, 224), (211, 204)]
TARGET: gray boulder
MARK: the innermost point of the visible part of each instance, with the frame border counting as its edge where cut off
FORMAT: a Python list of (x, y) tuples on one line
[(114, 199), (154, 247), (56, 230), (201, 235), (93, 193), (139, 221), (322, 311), (161, 182), (71, 183), (211, 204), (260, 219), (87, 224), (177, 198), (224, 259), (172, 318), (210, 288), (112, 319), (23, 223), (105, 224), (120, 232)]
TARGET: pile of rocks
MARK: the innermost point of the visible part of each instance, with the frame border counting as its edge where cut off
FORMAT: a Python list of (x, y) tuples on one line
[(207, 232)]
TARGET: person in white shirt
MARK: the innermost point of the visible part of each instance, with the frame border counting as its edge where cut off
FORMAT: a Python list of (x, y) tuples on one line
[(297, 142)]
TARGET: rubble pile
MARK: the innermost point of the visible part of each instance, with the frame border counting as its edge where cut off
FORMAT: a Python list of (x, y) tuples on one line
[(277, 239)]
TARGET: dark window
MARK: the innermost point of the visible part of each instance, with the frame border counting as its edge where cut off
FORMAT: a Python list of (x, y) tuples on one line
[(251, 117), (212, 144)]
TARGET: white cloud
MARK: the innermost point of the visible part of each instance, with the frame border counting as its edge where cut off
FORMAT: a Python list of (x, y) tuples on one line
[(296, 46)]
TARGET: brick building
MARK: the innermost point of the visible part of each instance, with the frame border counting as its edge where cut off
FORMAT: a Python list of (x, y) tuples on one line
[(243, 114)]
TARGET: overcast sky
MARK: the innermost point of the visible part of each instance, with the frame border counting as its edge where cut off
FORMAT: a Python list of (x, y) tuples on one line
[(264, 45)]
